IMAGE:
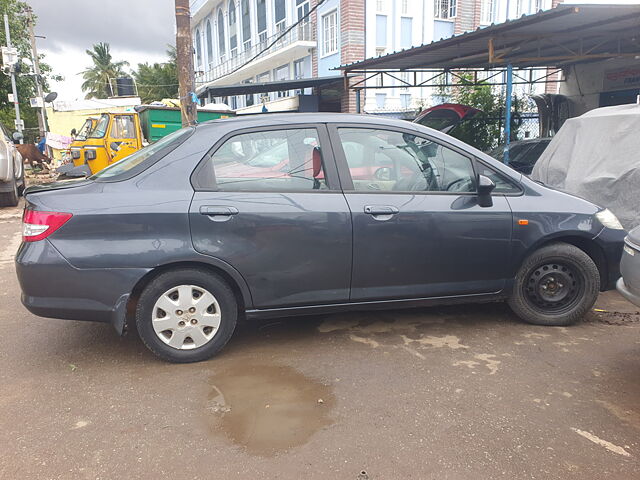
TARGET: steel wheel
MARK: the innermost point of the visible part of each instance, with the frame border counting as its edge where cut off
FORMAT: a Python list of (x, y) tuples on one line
[(554, 288), (186, 317)]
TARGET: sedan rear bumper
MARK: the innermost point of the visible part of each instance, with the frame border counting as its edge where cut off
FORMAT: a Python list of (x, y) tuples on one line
[(52, 287)]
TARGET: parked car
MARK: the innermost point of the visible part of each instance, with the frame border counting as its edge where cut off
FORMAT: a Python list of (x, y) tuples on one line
[(629, 284), (173, 241), (11, 170), (446, 116), (523, 154)]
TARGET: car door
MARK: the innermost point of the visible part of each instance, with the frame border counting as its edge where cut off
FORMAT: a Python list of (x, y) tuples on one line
[(268, 202), (418, 230), (124, 136)]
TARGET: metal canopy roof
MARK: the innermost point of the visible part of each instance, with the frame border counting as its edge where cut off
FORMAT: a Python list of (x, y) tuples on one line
[(264, 87), (553, 38)]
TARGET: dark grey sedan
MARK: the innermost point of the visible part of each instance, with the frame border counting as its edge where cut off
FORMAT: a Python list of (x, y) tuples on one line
[(629, 284), (293, 214)]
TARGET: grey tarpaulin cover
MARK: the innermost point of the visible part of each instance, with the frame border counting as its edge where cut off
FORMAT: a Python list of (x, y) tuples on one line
[(597, 157)]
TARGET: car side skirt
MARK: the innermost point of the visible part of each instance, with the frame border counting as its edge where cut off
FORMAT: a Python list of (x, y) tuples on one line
[(378, 305)]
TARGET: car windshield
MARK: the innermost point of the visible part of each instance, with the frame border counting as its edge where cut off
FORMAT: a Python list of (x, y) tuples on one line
[(101, 127), (85, 130), (127, 163)]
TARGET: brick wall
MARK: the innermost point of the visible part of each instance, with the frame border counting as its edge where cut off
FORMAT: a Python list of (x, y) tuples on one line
[(314, 55), (465, 16), (352, 20)]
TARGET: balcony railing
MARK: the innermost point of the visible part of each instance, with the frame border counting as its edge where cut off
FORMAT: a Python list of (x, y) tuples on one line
[(302, 32)]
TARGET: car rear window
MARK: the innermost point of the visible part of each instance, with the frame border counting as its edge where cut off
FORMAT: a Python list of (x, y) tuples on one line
[(138, 161)]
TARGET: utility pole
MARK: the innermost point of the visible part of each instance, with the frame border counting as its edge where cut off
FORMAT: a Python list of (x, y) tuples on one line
[(42, 118), (16, 105), (184, 60)]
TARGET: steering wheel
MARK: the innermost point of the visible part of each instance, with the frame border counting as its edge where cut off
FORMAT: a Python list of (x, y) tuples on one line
[(421, 181)]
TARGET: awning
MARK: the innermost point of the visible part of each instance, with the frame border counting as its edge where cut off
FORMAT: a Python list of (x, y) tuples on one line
[(553, 38), (265, 87)]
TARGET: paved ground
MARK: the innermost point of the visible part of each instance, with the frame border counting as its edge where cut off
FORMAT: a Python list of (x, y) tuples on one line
[(443, 393)]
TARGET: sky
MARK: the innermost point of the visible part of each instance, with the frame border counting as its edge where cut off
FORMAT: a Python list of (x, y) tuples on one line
[(137, 30)]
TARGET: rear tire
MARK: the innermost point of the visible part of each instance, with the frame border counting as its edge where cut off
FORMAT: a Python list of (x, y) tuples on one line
[(10, 198), (555, 285), (186, 315), (23, 184)]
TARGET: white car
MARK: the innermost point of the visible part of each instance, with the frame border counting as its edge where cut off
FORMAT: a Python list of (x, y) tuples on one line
[(11, 170)]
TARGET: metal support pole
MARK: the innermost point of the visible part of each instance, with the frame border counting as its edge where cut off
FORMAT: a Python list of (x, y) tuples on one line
[(358, 100), (16, 105), (507, 115)]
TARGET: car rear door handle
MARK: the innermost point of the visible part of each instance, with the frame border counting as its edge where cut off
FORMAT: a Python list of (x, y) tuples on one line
[(213, 210), (381, 210)]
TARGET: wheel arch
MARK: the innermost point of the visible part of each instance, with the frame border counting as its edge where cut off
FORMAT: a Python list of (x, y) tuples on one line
[(235, 282), (581, 241)]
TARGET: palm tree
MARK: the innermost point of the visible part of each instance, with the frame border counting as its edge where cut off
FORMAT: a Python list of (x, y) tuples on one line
[(97, 78)]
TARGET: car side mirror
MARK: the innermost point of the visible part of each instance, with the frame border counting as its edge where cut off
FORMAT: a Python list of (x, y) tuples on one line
[(485, 187)]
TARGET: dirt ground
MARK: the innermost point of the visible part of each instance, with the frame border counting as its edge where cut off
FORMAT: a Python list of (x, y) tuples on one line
[(441, 393)]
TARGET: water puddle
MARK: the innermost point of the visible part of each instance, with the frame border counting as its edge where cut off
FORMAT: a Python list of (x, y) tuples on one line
[(267, 409)]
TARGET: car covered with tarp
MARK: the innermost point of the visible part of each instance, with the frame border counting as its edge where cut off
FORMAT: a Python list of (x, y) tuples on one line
[(597, 156)]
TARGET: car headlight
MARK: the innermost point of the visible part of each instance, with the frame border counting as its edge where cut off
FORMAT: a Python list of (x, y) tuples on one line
[(90, 154), (607, 218)]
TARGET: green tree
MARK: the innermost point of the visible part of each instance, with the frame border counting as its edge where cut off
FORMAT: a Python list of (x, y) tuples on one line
[(159, 80), (484, 129), (97, 79), (17, 12)]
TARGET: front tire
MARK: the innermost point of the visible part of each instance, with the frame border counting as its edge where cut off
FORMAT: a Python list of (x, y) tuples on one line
[(555, 285), (186, 315)]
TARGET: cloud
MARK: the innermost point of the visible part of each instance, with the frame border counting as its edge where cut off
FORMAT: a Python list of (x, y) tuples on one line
[(137, 31), (144, 26)]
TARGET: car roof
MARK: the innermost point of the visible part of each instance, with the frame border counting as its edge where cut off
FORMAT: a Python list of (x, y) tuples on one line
[(248, 120)]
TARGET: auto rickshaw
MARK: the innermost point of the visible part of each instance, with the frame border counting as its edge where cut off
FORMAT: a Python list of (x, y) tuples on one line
[(115, 136), (79, 138)]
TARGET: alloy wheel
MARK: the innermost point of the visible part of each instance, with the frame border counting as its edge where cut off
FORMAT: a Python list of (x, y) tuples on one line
[(186, 317)]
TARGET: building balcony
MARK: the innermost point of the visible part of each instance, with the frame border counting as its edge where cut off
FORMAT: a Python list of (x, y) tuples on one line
[(295, 44)]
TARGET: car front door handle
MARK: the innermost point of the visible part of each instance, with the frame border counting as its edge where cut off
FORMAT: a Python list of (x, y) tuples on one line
[(214, 210), (381, 210)]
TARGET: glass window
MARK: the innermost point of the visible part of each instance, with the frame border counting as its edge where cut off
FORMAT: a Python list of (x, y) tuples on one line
[(123, 127), (274, 160), (445, 9), (503, 184), (381, 30), (246, 21), (209, 40), (101, 127), (262, 16), (386, 160), (406, 32), (330, 33), (279, 10), (161, 147), (221, 45), (233, 33), (487, 9), (198, 49)]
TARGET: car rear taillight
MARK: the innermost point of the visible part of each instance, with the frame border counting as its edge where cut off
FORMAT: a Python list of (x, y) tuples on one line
[(39, 225)]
